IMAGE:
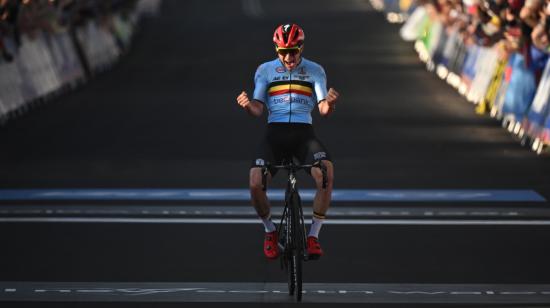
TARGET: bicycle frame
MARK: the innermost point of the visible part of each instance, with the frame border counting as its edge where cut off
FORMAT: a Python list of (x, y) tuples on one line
[(289, 211), (292, 228)]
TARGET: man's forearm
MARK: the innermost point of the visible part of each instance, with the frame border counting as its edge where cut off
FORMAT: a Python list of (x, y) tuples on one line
[(255, 108), (325, 108)]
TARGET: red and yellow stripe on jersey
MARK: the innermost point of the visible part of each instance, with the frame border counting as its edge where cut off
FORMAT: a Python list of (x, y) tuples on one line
[(287, 86)]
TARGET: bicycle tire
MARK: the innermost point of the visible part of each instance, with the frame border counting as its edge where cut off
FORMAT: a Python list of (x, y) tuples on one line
[(297, 262), (298, 245), (288, 255)]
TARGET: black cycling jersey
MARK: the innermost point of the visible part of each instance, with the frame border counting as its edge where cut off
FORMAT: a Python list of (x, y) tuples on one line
[(286, 141)]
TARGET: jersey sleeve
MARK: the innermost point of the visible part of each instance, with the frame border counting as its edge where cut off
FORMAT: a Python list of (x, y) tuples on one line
[(260, 85), (320, 85)]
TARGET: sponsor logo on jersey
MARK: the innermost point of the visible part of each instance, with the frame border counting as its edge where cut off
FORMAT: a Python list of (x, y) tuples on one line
[(286, 99), (280, 69), (302, 71), (319, 155), (281, 100)]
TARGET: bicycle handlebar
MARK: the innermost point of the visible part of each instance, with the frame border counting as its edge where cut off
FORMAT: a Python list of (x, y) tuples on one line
[(292, 166)]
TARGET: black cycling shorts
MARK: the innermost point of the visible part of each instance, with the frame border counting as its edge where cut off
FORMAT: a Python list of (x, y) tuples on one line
[(286, 141)]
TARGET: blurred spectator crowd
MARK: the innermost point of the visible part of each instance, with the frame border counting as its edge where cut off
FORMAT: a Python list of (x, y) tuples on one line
[(31, 17), (494, 52), (47, 46)]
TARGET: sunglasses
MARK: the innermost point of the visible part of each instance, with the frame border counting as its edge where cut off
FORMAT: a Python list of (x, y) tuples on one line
[(290, 51)]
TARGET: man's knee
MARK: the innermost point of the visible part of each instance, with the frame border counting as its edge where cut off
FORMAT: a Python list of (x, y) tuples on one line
[(317, 175), (255, 182)]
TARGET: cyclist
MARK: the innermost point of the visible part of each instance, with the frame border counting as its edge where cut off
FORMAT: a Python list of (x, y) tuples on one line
[(290, 86)]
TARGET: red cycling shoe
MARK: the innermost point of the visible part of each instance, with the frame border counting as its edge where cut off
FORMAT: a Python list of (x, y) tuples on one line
[(271, 245), (314, 248)]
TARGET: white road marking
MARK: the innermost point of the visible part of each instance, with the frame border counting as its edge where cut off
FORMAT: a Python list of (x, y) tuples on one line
[(272, 292), (232, 221)]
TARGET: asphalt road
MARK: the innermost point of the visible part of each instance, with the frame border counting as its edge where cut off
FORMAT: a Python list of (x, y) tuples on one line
[(166, 117)]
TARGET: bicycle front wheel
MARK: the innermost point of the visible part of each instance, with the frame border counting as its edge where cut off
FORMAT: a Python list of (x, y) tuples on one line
[(298, 245), (289, 252)]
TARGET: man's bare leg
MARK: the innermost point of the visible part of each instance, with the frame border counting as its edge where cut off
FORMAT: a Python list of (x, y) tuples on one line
[(259, 198), (261, 204), (323, 196)]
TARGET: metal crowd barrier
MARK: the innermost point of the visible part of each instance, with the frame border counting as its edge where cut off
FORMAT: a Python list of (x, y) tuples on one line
[(99, 46), (502, 86), (48, 64)]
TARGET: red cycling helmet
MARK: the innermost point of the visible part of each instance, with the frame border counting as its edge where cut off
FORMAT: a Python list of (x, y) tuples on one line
[(288, 36)]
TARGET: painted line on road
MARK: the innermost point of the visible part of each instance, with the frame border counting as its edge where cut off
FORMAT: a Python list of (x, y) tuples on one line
[(265, 292), (365, 195), (232, 221), (234, 211)]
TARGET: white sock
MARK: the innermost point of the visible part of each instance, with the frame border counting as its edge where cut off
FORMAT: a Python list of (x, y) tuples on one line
[(268, 224), (317, 223)]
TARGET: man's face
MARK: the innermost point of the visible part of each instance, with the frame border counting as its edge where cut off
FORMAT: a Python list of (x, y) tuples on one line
[(290, 57)]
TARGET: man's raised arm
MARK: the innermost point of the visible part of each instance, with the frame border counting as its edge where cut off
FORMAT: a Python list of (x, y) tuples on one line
[(253, 107)]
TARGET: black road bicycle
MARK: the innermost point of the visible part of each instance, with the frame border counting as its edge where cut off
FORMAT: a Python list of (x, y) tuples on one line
[(291, 229)]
